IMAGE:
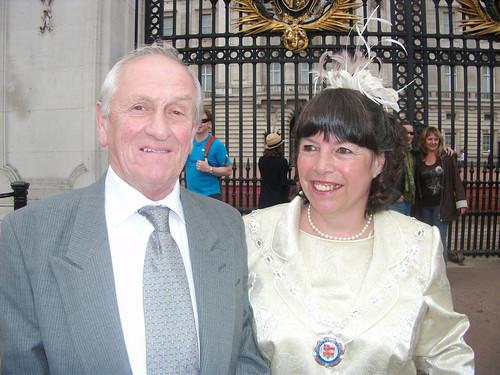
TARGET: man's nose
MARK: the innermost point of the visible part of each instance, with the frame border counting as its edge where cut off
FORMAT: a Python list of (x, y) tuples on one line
[(159, 126)]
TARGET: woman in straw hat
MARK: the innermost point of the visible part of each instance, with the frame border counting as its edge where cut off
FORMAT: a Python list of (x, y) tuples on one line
[(273, 169)]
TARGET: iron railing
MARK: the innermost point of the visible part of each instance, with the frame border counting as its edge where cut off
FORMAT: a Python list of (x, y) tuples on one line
[(478, 231), (253, 85), (19, 193)]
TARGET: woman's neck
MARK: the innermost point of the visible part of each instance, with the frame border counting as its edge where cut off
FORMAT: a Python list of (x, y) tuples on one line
[(341, 225), (430, 158)]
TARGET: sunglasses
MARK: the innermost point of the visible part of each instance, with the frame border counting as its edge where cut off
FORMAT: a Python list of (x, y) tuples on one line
[(410, 133), (205, 120)]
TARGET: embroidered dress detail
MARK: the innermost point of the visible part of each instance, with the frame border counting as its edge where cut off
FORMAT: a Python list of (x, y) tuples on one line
[(333, 333)]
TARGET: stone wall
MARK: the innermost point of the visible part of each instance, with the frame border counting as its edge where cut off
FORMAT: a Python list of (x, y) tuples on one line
[(52, 62)]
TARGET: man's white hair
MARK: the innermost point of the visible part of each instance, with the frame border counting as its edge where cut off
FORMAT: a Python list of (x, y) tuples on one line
[(108, 87)]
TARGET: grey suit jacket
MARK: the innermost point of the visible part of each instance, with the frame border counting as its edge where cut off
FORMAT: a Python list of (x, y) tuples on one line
[(58, 308)]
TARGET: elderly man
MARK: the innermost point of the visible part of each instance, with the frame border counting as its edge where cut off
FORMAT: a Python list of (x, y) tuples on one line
[(130, 275)]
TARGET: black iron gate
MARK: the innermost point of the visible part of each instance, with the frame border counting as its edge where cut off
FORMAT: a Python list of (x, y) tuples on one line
[(253, 85)]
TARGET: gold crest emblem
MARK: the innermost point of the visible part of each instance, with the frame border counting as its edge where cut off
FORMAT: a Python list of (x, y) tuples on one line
[(481, 19), (293, 18)]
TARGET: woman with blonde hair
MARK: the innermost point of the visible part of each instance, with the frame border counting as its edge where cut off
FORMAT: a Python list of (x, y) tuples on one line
[(440, 191)]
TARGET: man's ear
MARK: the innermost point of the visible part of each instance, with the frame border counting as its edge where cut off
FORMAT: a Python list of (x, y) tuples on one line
[(102, 125)]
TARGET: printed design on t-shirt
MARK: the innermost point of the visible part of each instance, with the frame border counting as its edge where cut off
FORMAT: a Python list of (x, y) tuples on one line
[(433, 178)]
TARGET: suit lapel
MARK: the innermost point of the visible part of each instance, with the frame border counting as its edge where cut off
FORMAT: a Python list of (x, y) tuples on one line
[(209, 262), (86, 284)]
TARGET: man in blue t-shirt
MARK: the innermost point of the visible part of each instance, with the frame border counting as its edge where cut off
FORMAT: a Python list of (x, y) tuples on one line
[(202, 174)]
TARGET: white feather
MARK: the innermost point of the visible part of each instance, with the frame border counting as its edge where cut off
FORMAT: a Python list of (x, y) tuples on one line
[(357, 71)]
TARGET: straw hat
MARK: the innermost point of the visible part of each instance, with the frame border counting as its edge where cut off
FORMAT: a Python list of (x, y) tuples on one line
[(273, 140)]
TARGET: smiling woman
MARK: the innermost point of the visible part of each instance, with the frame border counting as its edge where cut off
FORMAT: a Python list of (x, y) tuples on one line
[(440, 192), (336, 271)]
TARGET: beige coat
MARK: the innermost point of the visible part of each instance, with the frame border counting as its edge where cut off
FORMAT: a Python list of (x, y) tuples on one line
[(402, 320)]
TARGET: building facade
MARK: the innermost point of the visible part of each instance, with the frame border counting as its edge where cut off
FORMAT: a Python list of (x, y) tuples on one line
[(54, 55)]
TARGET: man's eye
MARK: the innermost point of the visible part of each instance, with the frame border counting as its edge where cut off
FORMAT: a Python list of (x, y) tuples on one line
[(176, 112), (138, 107)]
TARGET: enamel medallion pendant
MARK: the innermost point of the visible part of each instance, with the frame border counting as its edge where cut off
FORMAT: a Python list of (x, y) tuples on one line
[(328, 352)]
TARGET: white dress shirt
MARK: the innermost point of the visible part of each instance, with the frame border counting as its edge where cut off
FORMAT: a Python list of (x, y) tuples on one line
[(128, 234)]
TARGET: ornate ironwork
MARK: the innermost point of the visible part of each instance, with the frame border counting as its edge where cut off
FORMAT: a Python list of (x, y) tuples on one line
[(257, 85), (154, 20), (408, 23), (294, 17), (481, 19)]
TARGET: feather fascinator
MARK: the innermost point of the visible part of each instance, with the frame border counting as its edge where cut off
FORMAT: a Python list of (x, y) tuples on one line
[(359, 71)]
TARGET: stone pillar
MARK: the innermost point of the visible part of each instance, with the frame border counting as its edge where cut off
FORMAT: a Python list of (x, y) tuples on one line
[(53, 58)]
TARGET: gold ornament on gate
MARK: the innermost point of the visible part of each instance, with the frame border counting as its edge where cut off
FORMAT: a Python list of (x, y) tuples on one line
[(481, 18), (293, 18), (295, 38)]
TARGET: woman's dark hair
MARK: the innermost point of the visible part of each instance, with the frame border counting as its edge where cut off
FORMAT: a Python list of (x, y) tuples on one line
[(350, 116)]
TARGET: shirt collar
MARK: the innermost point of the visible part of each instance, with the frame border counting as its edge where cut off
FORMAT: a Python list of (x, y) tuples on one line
[(203, 140), (122, 200)]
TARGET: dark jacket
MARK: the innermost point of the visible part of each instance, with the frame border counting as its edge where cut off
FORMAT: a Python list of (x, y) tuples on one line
[(274, 174), (452, 193), (413, 154)]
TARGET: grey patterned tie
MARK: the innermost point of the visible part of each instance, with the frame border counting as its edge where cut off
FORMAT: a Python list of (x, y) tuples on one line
[(171, 340)]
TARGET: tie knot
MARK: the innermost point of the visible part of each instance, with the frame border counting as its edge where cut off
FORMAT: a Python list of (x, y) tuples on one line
[(157, 216)]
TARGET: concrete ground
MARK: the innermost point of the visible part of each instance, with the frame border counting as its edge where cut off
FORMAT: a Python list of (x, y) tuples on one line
[(476, 292)]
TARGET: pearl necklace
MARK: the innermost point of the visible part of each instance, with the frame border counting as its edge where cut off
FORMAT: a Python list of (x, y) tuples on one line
[(335, 238)]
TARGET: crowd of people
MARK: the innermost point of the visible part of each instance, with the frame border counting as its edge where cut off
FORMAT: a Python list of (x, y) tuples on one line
[(137, 275)]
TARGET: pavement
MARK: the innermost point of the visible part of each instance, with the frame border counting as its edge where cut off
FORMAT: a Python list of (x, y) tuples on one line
[(476, 292)]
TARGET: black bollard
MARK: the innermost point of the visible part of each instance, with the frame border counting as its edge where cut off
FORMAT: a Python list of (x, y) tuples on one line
[(20, 189)]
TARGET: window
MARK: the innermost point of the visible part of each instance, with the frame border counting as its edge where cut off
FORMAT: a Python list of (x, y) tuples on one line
[(485, 142), (485, 79), (446, 20), (274, 74), (449, 76), (304, 73), (206, 23), (206, 77), (447, 138), (168, 25)]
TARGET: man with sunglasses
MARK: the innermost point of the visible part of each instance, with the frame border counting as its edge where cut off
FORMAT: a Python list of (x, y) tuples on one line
[(407, 187), (208, 160), (406, 201)]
